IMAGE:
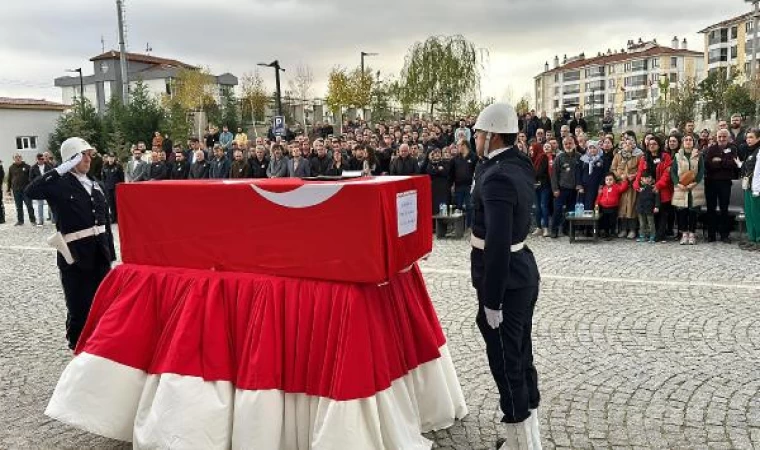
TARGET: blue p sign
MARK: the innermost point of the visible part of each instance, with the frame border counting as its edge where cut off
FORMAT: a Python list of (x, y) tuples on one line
[(278, 126)]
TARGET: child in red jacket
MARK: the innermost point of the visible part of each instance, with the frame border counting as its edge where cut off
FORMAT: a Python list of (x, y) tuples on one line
[(608, 201)]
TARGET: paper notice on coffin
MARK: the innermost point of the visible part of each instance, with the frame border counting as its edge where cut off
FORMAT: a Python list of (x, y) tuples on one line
[(406, 208)]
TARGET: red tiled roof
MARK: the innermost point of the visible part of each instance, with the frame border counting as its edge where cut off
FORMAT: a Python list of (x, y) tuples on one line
[(618, 57), (732, 21), (147, 59), (29, 103)]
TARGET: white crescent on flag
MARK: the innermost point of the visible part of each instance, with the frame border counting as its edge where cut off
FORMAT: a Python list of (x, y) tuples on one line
[(304, 196)]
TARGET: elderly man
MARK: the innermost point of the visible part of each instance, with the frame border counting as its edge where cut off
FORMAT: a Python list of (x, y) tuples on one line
[(259, 163), (19, 177), (278, 167), (84, 240), (320, 162), (404, 164), (199, 170), (720, 169)]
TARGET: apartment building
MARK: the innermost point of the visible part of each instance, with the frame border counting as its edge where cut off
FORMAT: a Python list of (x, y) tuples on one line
[(729, 43), (622, 81)]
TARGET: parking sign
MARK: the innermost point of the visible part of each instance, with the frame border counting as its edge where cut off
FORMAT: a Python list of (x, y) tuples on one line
[(278, 126)]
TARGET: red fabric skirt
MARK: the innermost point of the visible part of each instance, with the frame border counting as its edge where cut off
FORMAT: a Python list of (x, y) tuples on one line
[(328, 339)]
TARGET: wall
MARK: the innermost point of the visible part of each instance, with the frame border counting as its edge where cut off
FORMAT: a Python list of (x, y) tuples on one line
[(70, 92), (23, 122)]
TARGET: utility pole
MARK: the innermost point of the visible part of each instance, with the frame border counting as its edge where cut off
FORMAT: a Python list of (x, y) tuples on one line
[(122, 53), (276, 65), (81, 83), (753, 69)]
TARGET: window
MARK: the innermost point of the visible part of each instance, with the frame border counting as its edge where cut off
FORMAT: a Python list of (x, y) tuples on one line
[(556, 78), (717, 55), (556, 104), (674, 62), (572, 76), (733, 52), (556, 90), (572, 89), (636, 95), (673, 78), (572, 101), (635, 81), (734, 32), (611, 69), (611, 98), (595, 86), (595, 72), (26, 142), (639, 65), (169, 87), (654, 63), (719, 36), (749, 26), (611, 84)]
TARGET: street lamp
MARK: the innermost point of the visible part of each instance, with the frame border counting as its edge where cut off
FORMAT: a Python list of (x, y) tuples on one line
[(276, 65), (366, 54), (81, 82)]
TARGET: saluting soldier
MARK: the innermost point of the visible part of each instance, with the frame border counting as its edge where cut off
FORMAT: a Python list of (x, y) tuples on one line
[(504, 271), (84, 240)]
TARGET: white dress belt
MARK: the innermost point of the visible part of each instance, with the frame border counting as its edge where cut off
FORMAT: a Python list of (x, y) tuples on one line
[(81, 234), (480, 244)]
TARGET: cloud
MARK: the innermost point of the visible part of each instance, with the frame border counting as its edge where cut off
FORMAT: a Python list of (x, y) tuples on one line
[(45, 37)]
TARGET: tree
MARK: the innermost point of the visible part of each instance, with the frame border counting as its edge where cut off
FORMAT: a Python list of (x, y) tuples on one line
[(143, 115), (338, 90), (255, 98), (193, 90), (380, 103), (739, 100), (713, 89), (177, 122), (81, 121), (361, 87), (113, 128), (683, 104), (403, 95), (443, 68), (300, 84), (523, 106), (230, 110)]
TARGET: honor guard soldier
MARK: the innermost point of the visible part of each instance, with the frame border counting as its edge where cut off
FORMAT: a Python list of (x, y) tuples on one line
[(84, 240), (504, 271)]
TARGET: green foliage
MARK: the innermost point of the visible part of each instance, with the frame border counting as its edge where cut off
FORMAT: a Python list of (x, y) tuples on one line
[(81, 121), (230, 116), (338, 89), (177, 123), (255, 97), (442, 70), (403, 95), (713, 90), (114, 122), (380, 104), (739, 100), (143, 115), (683, 105), (523, 106)]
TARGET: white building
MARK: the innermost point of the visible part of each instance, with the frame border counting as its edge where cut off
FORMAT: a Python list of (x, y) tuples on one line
[(156, 73), (25, 126)]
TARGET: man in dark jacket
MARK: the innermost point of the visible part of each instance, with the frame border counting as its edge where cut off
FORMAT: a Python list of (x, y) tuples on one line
[(112, 175), (220, 165), (738, 135), (720, 169), (404, 164), (200, 168), (180, 170), (240, 167), (156, 170), (545, 123), (319, 162), (461, 175), (37, 171), (19, 175), (578, 121), (259, 163), (566, 182), (96, 166)]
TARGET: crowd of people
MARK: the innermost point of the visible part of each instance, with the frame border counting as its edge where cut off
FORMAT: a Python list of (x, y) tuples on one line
[(651, 190)]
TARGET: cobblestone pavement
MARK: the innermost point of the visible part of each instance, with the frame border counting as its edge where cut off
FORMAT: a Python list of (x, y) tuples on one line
[(637, 345)]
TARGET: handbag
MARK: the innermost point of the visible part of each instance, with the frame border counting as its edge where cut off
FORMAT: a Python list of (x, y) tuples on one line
[(687, 178)]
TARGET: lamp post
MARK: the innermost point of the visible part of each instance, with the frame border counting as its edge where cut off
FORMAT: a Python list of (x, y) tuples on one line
[(753, 66), (363, 54), (276, 65), (81, 83)]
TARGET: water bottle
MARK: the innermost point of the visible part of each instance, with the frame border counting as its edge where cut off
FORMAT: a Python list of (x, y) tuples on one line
[(579, 209), (442, 209)]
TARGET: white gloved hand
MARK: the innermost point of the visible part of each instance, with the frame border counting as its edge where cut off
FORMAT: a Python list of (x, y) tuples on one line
[(494, 317), (66, 167)]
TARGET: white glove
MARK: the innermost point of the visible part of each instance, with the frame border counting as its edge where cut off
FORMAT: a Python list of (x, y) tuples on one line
[(738, 162), (66, 167), (493, 317)]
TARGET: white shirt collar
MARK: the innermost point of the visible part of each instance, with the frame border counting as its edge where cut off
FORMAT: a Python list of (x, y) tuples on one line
[(497, 152), (86, 182)]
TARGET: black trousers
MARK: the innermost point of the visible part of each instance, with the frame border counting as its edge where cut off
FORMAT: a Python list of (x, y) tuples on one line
[(565, 202), (718, 193), (111, 199), (510, 353), (607, 220), (79, 287), (687, 220), (662, 221), (21, 199)]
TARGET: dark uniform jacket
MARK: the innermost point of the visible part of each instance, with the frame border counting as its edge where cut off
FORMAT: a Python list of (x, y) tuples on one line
[(462, 170), (112, 175), (240, 169), (18, 176), (199, 170), (404, 166), (35, 172), (567, 171), (180, 170), (258, 168), (76, 211), (503, 198)]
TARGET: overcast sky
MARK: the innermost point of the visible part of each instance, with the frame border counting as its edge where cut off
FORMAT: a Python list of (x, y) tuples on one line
[(39, 39)]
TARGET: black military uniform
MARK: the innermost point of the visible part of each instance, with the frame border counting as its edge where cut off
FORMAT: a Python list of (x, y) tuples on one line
[(78, 210), (113, 174), (505, 276), (180, 170)]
